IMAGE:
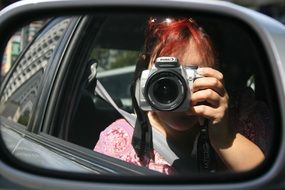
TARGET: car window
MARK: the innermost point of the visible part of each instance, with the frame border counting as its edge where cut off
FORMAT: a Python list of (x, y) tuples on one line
[(18, 43), (115, 72), (116, 54), (22, 87), (117, 58)]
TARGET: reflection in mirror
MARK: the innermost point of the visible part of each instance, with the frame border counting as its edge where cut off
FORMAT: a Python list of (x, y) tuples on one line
[(18, 43), (201, 100)]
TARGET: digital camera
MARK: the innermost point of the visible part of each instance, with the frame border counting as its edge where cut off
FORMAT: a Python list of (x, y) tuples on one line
[(166, 86)]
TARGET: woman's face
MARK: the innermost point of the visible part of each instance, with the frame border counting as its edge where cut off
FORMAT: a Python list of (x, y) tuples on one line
[(182, 121)]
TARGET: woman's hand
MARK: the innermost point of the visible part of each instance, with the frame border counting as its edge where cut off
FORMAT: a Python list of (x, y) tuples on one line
[(210, 100), (209, 89)]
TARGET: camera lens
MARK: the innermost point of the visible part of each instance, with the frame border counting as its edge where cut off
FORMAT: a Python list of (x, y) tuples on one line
[(165, 90)]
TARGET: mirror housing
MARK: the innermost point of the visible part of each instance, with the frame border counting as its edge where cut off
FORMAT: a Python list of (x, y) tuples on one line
[(270, 33)]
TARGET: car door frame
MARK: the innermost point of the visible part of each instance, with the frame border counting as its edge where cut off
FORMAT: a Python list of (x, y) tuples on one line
[(86, 158)]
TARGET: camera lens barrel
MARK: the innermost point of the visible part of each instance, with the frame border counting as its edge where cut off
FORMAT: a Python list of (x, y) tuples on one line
[(165, 90)]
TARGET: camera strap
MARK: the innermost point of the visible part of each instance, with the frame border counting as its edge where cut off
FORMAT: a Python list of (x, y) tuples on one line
[(142, 140), (142, 136), (205, 152), (145, 138)]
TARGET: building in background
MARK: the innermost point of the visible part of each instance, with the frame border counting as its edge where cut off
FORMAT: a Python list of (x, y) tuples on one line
[(18, 43), (11, 53)]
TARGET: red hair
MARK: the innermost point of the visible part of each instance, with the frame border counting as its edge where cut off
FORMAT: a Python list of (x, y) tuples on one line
[(170, 36)]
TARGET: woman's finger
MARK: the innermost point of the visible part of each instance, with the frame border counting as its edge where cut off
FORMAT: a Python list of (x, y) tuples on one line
[(208, 83), (213, 114), (210, 72), (207, 95)]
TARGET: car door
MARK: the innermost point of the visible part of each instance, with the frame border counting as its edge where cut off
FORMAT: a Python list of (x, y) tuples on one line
[(34, 78), (22, 88)]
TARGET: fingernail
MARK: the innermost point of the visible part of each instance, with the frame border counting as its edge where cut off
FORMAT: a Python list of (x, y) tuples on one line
[(200, 70)]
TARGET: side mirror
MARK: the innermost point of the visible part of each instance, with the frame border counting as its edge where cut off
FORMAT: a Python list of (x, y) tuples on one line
[(51, 119)]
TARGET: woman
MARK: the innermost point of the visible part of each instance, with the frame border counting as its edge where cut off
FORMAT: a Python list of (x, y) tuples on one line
[(184, 39)]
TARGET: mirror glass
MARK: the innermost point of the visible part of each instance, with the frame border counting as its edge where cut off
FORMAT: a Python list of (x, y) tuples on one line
[(196, 84)]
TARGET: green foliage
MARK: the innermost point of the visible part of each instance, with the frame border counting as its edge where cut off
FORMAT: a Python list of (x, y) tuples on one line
[(24, 118), (112, 59)]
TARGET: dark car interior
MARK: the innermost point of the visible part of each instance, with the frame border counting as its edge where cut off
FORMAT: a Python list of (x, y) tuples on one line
[(240, 61), (91, 108)]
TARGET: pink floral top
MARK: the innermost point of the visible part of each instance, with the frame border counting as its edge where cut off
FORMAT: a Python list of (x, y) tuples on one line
[(115, 141), (249, 117)]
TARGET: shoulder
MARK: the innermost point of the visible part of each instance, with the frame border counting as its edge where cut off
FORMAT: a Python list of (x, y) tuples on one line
[(253, 119), (119, 126), (115, 139)]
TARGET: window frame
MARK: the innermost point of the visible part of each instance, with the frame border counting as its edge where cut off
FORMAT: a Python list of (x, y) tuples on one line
[(39, 117), (43, 30), (83, 157)]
